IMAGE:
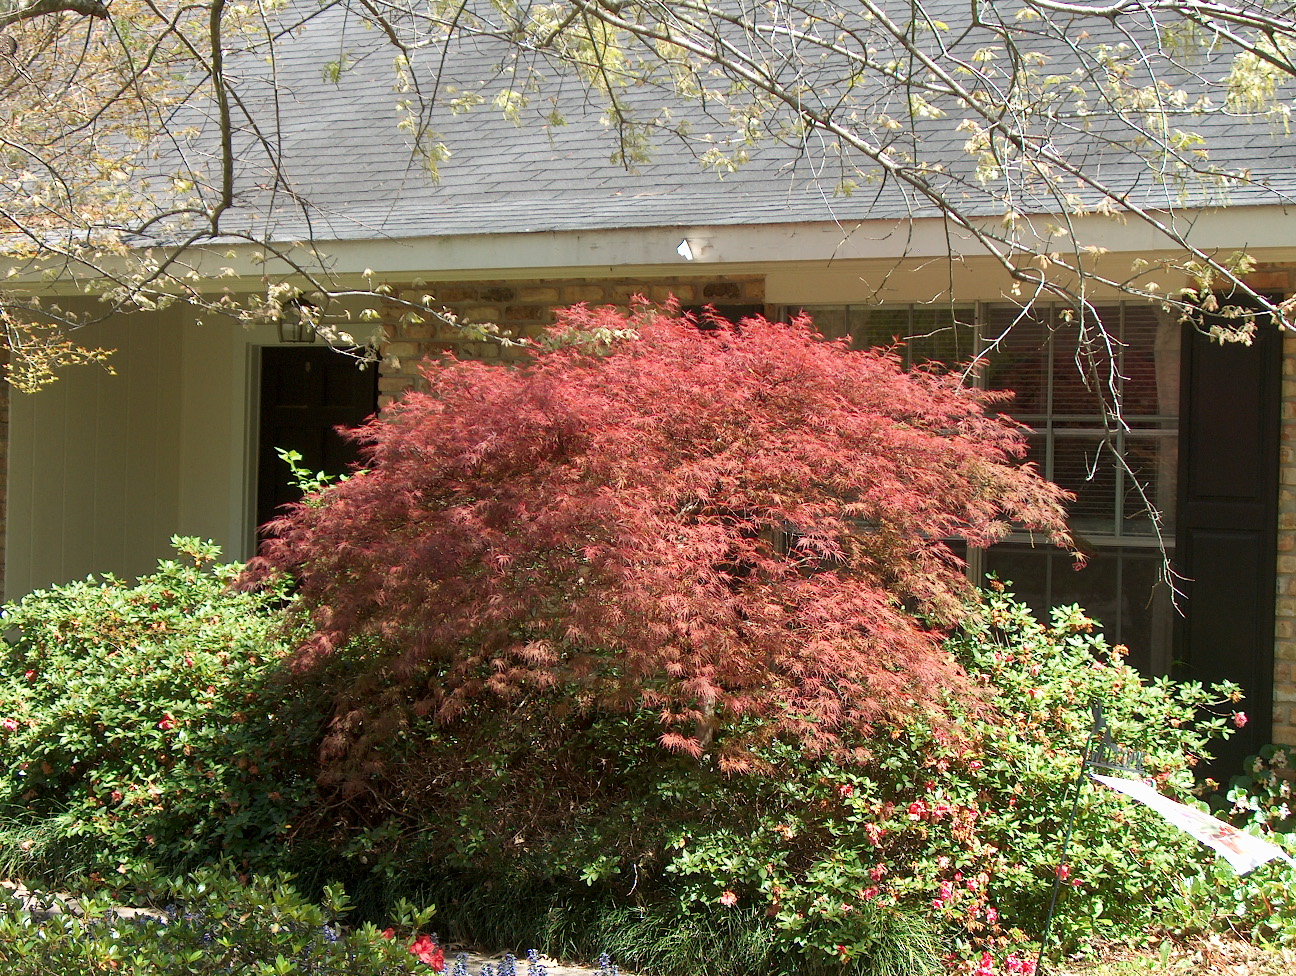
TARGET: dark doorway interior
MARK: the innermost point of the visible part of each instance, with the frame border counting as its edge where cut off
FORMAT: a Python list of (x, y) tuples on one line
[(306, 393), (1227, 528)]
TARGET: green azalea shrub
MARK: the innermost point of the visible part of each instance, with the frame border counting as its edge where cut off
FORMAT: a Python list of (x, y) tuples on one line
[(209, 923), (150, 722)]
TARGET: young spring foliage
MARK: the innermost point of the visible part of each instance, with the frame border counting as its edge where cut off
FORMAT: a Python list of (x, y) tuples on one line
[(712, 521)]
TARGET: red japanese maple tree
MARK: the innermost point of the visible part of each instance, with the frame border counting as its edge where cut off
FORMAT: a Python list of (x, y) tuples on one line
[(713, 522)]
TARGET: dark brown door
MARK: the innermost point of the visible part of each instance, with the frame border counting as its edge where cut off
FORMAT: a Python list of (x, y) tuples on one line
[(1227, 529), (307, 392)]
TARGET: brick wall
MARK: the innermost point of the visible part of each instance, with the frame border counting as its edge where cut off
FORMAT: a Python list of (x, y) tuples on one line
[(1276, 279), (525, 308), (1284, 716)]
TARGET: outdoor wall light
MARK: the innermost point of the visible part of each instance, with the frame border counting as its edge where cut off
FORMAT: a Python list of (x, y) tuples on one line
[(297, 323)]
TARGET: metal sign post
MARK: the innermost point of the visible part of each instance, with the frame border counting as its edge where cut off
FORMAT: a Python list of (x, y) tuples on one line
[(1100, 753)]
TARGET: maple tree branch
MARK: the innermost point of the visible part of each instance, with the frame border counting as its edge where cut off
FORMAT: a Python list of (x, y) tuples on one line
[(43, 8)]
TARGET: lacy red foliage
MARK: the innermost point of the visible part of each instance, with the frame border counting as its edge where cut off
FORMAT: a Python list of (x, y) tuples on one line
[(711, 522)]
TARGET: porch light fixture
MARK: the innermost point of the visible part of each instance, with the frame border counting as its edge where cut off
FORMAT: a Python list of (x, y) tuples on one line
[(297, 324)]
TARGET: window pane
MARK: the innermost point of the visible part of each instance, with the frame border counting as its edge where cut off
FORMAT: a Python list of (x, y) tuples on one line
[(1083, 464), (1017, 359), (879, 326), (831, 322), (1153, 459), (1084, 361), (1151, 363), (942, 335), (1120, 588)]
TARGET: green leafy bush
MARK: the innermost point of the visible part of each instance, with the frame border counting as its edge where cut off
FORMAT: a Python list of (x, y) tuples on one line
[(1260, 904), (149, 722), (208, 923), (928, 843), (1264, 795)]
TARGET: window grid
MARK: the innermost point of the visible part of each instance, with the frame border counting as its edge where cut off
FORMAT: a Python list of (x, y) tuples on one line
[(1033, 359)]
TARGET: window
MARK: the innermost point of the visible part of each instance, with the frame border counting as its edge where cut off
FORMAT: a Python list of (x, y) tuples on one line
[(1121, 470)]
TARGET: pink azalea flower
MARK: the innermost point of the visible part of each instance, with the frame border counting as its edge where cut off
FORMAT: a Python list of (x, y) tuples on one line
[(1240, 719), (167, 723), (728, 899), (11, 724)]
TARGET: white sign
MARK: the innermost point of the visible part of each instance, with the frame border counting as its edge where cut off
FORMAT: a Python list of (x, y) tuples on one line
[(1245, 852)]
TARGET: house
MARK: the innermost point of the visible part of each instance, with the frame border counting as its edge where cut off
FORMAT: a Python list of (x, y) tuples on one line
[(102, 469)]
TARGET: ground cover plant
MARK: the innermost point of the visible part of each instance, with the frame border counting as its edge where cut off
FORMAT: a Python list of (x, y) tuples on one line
[(209, 923), (149, 722), (1260, 906)]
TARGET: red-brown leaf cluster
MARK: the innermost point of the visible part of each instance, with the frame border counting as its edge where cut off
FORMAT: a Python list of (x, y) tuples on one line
[(712, 522)]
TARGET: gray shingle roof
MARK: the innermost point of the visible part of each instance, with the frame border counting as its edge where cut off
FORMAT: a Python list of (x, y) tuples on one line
[(347, 160)]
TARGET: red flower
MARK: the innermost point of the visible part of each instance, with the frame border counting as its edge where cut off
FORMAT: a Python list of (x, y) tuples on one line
[(389, 933), (425, 950), (869, 893), (1064, 871), (31, 675), (167, 723), (11, 724), (1240, 719), (845, 790)]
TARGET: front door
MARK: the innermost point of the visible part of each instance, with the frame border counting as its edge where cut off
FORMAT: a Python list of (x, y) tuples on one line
[(307, 392)]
